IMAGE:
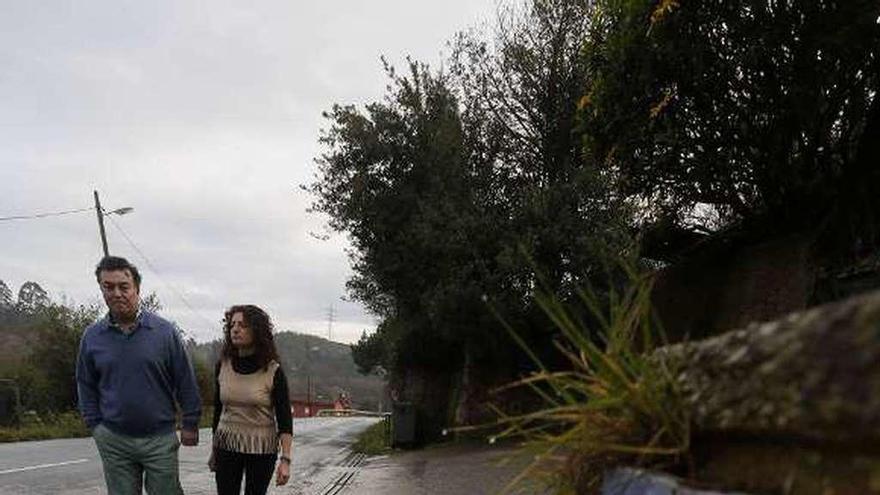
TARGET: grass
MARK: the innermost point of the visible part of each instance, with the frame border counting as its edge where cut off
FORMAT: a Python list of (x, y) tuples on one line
[(61, 425), (374, 440), (207, 416), (613, 406)]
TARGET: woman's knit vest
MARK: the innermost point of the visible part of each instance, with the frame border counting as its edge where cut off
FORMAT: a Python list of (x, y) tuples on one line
[(247, 423)]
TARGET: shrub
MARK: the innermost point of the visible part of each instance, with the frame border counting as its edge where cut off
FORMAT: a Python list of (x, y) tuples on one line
[(614, 405)]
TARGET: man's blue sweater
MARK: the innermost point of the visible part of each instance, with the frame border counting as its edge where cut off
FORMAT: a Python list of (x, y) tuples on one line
[(131, 382)]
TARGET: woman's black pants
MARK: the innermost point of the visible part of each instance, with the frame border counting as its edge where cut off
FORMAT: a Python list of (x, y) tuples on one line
[(256, 468)]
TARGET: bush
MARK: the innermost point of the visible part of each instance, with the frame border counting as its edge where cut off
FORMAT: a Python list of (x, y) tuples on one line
[(614, 405), (49, 426)]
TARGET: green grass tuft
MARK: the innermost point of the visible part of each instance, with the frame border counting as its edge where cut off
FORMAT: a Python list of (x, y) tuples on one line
[(614, 405), (374, 440)]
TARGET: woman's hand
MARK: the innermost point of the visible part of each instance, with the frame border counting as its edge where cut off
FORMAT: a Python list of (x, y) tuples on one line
[(212, 463), (282, 473)]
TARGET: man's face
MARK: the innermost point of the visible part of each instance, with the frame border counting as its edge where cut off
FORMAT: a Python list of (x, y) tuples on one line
[(120, 292)]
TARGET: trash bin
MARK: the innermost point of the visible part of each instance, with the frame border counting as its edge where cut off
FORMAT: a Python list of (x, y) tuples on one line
[(403, 425), (7, 407)]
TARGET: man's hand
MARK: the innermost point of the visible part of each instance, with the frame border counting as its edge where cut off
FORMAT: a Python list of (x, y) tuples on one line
[(189, 438)]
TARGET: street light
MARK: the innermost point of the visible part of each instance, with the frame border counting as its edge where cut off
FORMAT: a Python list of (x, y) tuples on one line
[(101, 213)]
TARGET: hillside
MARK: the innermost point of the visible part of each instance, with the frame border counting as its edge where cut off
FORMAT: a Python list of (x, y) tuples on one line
[(328, 365)]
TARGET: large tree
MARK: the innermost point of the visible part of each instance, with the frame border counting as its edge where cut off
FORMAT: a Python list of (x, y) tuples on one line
[(762, 114), (520, 83), (395, 177), (471, 186)]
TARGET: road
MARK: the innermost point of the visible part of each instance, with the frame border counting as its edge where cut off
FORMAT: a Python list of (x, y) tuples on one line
[(322, 462)]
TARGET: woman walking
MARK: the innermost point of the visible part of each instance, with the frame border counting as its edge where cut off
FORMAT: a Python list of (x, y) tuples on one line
[(251, 407)]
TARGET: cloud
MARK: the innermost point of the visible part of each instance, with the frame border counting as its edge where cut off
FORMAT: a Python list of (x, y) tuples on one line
[(203, 117)]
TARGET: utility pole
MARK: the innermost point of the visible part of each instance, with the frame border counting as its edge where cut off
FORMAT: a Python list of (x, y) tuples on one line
[(100, 214), (308, 370), (331, 317)]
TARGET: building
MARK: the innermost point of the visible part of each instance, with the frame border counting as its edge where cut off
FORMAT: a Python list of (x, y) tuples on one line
[(306, 408)]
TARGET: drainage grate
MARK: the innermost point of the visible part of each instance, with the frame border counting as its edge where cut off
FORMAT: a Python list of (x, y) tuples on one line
[(350, 466)]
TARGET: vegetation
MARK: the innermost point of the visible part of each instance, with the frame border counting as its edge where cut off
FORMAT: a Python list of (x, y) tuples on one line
[(441, 183), (614, 404), (41, 338), (760, 116), (375, 440), (61, 425), (574, 126), (206, 421), (574, 132)]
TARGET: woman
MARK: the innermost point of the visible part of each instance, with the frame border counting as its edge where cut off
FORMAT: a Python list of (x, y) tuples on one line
[(251, 406)]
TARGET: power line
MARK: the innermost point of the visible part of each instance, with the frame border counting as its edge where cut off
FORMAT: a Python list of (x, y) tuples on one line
[(156, 272), (44, 215)]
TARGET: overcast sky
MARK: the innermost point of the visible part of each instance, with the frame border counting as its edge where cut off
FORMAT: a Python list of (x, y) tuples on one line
[(204, 117)]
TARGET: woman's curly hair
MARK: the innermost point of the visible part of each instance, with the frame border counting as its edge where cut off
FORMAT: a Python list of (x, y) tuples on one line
[(261, 326)]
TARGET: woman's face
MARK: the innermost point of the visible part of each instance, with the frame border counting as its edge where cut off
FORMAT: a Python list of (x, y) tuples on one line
[(241, 335)]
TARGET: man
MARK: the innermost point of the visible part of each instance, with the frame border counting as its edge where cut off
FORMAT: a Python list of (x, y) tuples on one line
[(132, 372)]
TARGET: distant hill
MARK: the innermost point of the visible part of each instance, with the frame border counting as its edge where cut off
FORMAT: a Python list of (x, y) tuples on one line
[(328, 365)]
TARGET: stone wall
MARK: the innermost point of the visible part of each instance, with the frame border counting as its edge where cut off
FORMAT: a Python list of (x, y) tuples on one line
[(789, 406), (815, 374)]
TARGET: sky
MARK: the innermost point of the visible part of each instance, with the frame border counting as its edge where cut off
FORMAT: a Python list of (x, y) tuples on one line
[(203, 117)]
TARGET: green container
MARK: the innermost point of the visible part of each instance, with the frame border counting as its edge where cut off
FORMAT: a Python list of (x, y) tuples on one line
[(403, 424)]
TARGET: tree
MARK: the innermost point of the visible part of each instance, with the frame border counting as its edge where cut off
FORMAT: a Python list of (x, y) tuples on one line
[(51, 384), (369, 352), (151, 303), (203, 372), (467, 187), (6, 301), (751, 113), (396, 179), (520, 84), (31, 298)]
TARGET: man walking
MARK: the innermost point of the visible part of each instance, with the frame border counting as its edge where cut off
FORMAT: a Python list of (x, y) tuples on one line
[(132, 372)]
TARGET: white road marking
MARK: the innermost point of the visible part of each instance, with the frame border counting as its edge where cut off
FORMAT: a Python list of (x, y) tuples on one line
[(43, 466)]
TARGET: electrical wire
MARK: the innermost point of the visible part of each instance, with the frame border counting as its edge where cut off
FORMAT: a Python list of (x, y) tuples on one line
[(159, 276), (44, 215)]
